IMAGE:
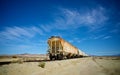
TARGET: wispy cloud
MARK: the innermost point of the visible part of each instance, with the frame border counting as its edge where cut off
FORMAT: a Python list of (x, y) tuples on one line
[(15, 33), (25, 39), (115, 31), (107, 37), (73, 19), (46, 28), (93, 19), (97, 37), (36, 30), (77, 40)]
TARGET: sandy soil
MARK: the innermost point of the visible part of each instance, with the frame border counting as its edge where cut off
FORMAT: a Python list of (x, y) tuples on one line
[(78, 66)]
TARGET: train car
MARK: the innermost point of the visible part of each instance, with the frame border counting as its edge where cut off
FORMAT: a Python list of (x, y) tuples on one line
[(61, 49)]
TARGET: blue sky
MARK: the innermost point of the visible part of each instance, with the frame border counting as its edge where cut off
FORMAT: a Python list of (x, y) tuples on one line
[(93, 26)]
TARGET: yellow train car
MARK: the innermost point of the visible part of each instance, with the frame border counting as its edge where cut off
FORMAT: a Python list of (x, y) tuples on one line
[(60, 49)]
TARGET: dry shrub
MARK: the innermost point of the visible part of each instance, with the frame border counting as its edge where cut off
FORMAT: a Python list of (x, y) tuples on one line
[(14, 56), (42, 64)]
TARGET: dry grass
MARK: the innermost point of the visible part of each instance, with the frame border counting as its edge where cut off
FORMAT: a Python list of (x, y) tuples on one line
[(17, 61)]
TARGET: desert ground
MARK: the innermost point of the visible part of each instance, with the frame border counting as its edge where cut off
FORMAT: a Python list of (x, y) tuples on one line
[(76, 66)]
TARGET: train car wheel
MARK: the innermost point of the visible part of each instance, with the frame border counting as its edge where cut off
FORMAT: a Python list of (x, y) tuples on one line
[(60, 56), (56, 57), (50, 56)]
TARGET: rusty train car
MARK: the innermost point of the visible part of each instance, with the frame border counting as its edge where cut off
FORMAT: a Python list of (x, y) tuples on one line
[(61, 49)]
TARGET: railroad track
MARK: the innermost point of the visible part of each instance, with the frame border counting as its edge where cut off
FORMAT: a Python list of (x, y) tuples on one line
[(9, 62)]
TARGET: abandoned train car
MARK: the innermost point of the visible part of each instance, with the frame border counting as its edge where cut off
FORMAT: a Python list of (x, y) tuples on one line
[(61, 49)]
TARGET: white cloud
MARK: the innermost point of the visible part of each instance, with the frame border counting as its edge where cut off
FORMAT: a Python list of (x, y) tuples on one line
[(35, 30), (21, 31), (77, 40), (71, 41), (22, 39), (46, 28), (17, 33), (107, 37), (97, 37), (68, 19)]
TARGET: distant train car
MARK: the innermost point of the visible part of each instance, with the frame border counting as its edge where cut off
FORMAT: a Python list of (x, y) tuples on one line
[(60, 49)]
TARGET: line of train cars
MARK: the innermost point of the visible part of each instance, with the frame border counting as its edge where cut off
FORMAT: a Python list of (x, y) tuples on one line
[(61, 49)]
